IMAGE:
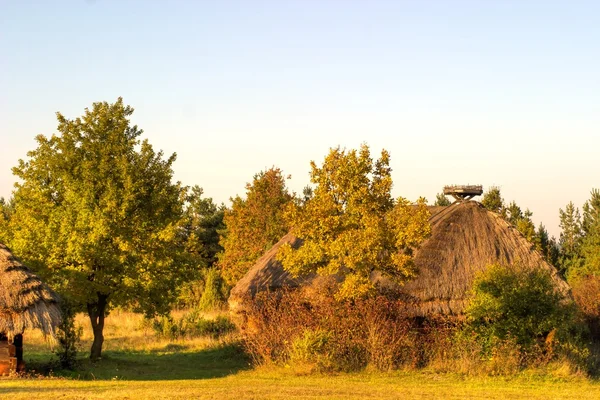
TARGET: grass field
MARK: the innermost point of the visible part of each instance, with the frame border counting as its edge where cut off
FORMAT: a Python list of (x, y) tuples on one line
[(137, 365)]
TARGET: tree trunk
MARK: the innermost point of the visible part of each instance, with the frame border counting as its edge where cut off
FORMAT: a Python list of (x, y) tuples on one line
[(96, 313)]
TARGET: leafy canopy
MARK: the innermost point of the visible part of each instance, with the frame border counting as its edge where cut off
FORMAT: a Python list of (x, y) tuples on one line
[(97, 214), (254, 224), (352, 226)]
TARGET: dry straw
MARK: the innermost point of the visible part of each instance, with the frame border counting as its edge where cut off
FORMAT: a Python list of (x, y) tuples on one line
[(25, 302)]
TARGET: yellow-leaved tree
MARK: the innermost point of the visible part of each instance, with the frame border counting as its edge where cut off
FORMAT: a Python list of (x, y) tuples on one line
[(253, 224), (351, 226)]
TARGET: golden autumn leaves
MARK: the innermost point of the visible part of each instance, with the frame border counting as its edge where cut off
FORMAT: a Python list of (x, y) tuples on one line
[(352, 226)]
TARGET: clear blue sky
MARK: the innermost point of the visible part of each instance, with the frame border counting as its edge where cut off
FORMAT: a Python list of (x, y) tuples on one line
[(490, 92)]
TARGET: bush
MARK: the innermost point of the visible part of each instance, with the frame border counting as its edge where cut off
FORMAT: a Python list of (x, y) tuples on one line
[(190, 294), (68, 336), (192, 324), (207, 293), (213, 295), (313, 347), (519, 306)]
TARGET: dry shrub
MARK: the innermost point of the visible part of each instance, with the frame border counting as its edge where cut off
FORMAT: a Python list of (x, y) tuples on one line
[(330, 335), (586, 292), (288, 328)]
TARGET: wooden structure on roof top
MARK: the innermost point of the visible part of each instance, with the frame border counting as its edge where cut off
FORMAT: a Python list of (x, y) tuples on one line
[(463, 193)]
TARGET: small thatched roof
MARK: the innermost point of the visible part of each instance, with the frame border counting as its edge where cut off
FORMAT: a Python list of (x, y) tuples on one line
[(266, 274), (465, 239), (25, 302)]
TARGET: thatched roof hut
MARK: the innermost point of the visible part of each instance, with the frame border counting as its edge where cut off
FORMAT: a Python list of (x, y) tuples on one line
[(465, 239), (25, 302)]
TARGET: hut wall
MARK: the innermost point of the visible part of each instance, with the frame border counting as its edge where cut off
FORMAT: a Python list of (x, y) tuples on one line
[(11, 355)]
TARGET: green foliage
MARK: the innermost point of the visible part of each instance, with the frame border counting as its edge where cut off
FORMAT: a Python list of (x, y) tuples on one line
[(313, 347), (570, 236), (254, 224), (441, 200), (547, 245), (203, 220), (6, 210), (207, 293), (214, 294), (515, 303), (583, 261), (97, 215), (521, 220), (192, 324), (352, 225), (492, 200), (590, 246), (580, 239), (307, 193), (68, 336), (591, 213)]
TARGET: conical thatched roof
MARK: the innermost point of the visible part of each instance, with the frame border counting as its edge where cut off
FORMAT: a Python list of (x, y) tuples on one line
[(465, 239), (25, 302)]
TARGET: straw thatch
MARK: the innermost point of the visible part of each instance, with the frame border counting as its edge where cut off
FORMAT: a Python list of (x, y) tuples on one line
[(465, 239), (266, 274), (25, 302)]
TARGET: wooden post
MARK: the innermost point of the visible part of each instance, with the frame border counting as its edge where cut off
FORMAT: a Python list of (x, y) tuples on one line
[(19, 363)]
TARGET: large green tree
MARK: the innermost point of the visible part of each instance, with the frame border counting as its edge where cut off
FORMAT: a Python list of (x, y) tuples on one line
[(97, 214), (352, 226), (253, 224)]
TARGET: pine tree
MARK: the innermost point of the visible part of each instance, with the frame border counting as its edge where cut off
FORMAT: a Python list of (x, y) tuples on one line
[(493, 201), (570, 238), (441, 200), (590, 244)]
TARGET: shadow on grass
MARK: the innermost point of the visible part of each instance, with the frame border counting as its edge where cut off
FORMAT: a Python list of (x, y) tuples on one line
[(172, 364)]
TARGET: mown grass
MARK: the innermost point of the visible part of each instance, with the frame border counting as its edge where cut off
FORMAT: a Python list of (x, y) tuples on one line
[(138, 365)]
